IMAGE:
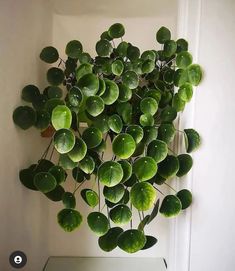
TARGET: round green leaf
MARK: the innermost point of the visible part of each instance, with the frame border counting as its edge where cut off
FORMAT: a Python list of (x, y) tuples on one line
[(168, 114), (40, 102), (101, 122), (66, 162), (92, 137), (105, 36), (84, 58), (155, 94), (110, 173), (30, 93), (44, 181), (150, 133), (117, 67), (123, 146), (90, 197), (158, 150), (56, 194), (166, 132), (171, 206), (130, 79), (146, 120), (43, 120), (163, 34), (44, 165), (182, 45), (184, 59), (115, 193), (122, 49), (185, 164), (125, 93), (75, 96), (111, 92), (148, 106), (54, 92), (168, 167), (103, 48), (131, 241), (59, 174), (125, 110), (52, 103), (133, 52), (89, 84), (185, 92), (150, 242), (79, 150), (94, 105), (143, 196), (69, 200), (120, 214), (64, 140), (148, 55), (116, 30), (147, 66), (78, 175), (193, 140), (101, 87), (108, 242), (170, 47), (127, 170), (115, 123), (180, 77), (55, 76), (185, 197), (87, 164), (136, 132), (73, 49), (177, 103), (168, 76), (69, 219), (61, 117), (194, 74), (24, 117), (144, 168), (26, 177), (98, 223), (49, 54), (82, 70)]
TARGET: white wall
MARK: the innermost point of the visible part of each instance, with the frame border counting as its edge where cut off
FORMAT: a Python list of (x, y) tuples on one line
[(25, 27), (87, 26)]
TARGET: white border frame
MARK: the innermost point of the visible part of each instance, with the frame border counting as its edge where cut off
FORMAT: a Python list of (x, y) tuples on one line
[(189, 20)]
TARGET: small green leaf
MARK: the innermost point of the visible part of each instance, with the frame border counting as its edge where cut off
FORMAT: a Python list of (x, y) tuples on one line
[(88, 84), (94, 105), (45, 182), (49, 54), (170, 47), (163, 35), (185, 197), (185, 164), (168, 167), (166, 132), (185, 92), (30, 93), (69, 219), (123, 146), (73, 49), (158, 150), (178, 103), (171, 206), (79, 150), (125, 93), (146, 120), (82, 70), (56, 194), (130, 79), (110, 173), (115, 193), (144, 168), (136, 132), (148, 106), (127, 170), (115, 123), (90, 197), (182, 45), (64, 140), (194, 74), (98, 223), (117, 67), (24, 117), (108, 242), (184, 59), (120, 214), (87, 164), (103, 48), (193, 139), (150, 242), (59, 174), (69, 200), (55, 76), (111, 92), (168, 114), (61, 117), (116, 30), (92, 137)]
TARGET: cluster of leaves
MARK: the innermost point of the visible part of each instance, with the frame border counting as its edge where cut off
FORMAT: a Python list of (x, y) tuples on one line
[(131, 99)]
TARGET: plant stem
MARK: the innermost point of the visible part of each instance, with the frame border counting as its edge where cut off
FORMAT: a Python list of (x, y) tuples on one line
[(159, 190), (98, 183), (131, 222), (170, 187), (172, 151), (79, 186)]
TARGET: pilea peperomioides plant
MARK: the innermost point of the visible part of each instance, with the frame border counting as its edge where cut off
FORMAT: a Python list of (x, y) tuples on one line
[(129, 101)]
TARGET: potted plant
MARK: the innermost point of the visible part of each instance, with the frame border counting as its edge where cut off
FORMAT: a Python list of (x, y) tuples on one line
[(129, 100)]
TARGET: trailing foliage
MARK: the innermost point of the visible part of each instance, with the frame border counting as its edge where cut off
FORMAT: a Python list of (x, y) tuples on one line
[(127, 99)]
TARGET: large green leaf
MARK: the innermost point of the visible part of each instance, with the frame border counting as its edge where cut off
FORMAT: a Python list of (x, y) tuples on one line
[(49, 54), (83, 69), (24, 117), (131, 241), (55, 76), (110, 173), (122, 49), (171, 206), (64, 140), (185, 92), (108, 242), (117, 67), (120, 214), (185, 197), (182, 45), (185, 164), (115, 193), (73, 49), (166, 132), (150, 133), (170, 47), (94, 105), (111, 92), (87, 164), (116, 30), (143, 196), (148, 106), (61, 117), (184, 59), (92, 137), (194, 74), (30, 93), (125, 93), (45, 182), (103, 47), (163, 35), (193, 140), (69, 219), (115, 123), (98, 223), (145, 168), (168, 114), (168, 167), (158, 150), (130, 79), (123, 145), (79, 150), (89, 84), (178, 103)]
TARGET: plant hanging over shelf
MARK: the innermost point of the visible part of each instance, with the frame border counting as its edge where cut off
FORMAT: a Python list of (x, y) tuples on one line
[(129, 100)]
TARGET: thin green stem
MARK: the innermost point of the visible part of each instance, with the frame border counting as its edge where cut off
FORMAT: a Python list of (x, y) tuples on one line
[(159, 190), (172, 151), (170, 187), (76, 189)]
